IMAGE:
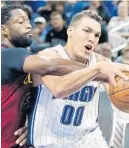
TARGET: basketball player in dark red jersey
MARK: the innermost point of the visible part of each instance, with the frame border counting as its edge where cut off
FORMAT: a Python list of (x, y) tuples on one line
[(17, 61)]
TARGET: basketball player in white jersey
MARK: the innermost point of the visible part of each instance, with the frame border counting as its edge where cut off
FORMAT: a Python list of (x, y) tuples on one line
[(65, 108)]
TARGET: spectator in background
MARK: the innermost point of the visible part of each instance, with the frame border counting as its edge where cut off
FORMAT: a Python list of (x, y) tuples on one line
[(120, 20), (45, 11), (60, 7), (40, 24), (58, 33), (118, 27), (39, 35), (124, 58), (106, 50), (101, 10)]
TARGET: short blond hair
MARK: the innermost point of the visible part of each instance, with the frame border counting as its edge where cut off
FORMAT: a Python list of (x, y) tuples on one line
[(86, 13)]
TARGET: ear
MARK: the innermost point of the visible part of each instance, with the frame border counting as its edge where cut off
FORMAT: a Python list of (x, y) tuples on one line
[(69, 31), (4, 30)]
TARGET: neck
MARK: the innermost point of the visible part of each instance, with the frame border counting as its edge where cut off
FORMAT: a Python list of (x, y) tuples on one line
[(72, 55), (59, 28), (7, 43), (125, 56), (122, 17), (95, 5)]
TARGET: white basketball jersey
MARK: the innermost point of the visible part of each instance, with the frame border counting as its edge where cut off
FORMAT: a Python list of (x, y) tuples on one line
[(63, 121)]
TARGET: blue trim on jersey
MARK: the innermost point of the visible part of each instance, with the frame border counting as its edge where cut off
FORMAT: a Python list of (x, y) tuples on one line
[(34, 114), (98, 109)]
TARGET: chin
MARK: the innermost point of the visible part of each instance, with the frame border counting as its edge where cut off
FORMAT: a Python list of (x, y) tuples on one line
[(22, 41)]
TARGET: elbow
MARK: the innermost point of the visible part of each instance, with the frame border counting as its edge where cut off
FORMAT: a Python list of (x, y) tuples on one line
[(59, 93)]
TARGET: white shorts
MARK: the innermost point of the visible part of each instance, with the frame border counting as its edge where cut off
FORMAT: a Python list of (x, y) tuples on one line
[(90, 140)]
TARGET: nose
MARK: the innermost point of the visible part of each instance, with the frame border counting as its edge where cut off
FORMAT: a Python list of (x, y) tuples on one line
[(91, 37), (28, 26)]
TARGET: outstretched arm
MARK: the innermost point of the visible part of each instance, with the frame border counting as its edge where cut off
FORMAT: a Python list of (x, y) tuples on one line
[(20, 59), (62, 86), (53, 66)]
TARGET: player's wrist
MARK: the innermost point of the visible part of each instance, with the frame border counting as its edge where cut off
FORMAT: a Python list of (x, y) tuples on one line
[(98, 68)]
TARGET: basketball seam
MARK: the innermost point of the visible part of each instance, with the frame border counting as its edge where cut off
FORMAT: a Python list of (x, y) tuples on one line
[(118, 91), (118, 99), (118, 107)]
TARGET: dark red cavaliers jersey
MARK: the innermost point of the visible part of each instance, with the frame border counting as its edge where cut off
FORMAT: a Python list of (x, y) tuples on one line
[(15, 86)]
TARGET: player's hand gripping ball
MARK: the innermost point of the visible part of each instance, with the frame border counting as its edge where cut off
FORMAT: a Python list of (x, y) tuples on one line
[(120, 94)]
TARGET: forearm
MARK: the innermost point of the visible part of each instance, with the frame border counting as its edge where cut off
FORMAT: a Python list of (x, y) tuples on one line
[(68, 66), (70, 83), (53, 66), (64, 67), (72, 66)]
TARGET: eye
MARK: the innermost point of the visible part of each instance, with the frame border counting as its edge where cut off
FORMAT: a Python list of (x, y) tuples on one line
[(86, 30), (97, 35), (20, 22)]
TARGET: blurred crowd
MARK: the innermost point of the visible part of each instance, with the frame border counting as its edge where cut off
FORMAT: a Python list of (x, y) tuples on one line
[(50, 20)]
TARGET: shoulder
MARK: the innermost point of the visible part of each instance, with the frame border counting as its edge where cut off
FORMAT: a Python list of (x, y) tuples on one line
[(13, 49), (115, 18), (101, 58), (64, 28), (15, 52), (51, 31), (49, 52)]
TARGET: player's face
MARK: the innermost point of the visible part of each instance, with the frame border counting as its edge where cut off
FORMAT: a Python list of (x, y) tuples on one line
[(19, 29), (84, 38)]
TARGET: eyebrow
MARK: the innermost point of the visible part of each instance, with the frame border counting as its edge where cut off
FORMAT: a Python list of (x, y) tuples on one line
[(92, 30), (24, 17), (20, 17)]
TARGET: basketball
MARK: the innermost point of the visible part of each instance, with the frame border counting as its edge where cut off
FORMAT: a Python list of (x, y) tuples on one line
[(120, 94)]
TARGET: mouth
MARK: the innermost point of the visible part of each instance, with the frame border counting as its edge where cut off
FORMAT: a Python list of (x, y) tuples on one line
[(88, 48), (29, 33)]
